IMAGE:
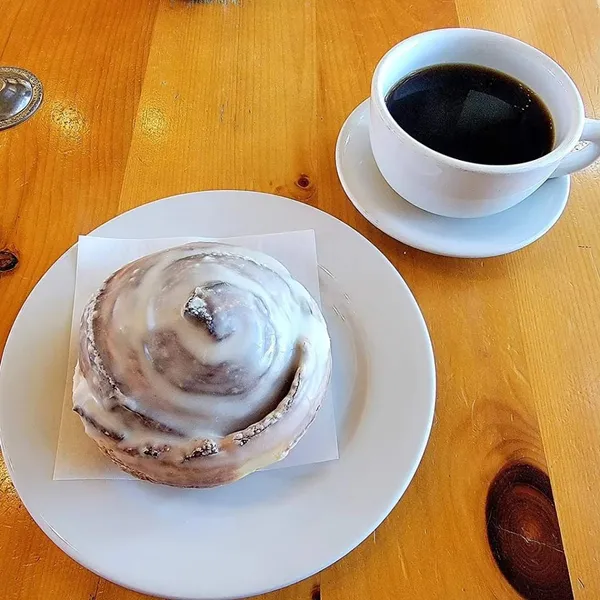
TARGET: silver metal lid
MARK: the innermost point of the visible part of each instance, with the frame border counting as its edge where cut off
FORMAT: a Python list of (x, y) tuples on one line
[(20, 95)]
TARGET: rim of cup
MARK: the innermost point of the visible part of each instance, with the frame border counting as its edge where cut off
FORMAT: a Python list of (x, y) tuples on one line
[(569, 140)]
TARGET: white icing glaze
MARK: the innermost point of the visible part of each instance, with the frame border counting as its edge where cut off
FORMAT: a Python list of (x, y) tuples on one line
[(205, 340)]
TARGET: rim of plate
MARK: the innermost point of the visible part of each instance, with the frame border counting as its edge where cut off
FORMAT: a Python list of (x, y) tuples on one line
[(24, 485)]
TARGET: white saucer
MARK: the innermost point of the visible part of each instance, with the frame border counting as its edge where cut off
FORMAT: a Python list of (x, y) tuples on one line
[(272, 528), (465, 238)]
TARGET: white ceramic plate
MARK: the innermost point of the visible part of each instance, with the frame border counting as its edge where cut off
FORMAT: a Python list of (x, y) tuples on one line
[(499, 234), (272, 528)]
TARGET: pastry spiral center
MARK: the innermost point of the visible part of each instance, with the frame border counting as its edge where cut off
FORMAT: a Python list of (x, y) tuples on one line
[(234, 342), (210, 306)]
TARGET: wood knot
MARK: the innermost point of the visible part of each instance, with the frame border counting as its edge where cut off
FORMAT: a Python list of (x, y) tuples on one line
[(315, 593), (303, 182), (8, 261), (524, 535), (302, 189)]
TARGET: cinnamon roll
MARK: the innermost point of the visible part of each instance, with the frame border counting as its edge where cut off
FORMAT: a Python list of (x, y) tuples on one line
[(200, 364)]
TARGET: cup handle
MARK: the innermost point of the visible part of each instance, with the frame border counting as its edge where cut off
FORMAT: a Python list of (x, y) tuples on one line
[(580, 159)]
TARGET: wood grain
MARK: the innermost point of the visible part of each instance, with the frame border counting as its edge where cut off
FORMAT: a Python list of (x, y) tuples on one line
[(61, 173), (157, 97), (62, 170), (237, 85), (556, 289)]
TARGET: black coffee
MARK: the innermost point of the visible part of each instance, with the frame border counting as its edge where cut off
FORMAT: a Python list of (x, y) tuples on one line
[(473, 113)]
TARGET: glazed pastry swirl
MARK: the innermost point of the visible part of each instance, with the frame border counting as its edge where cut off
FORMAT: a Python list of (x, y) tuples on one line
[(200, 364)]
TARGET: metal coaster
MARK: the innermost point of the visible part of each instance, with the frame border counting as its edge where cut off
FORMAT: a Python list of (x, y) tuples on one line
[(21, 94)]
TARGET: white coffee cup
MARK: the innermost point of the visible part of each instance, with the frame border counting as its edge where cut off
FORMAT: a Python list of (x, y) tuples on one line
[(455, 188)]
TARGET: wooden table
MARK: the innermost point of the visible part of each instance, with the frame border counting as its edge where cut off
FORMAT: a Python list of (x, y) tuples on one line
[(148, 98)]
